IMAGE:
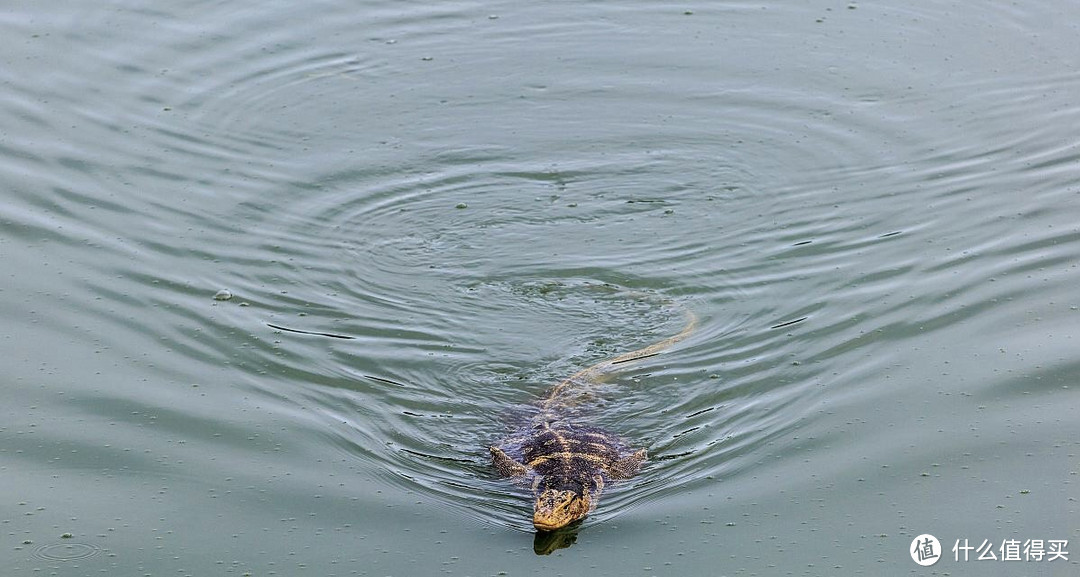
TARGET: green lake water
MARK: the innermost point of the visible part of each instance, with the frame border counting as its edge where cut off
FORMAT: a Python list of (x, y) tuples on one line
[(872, 208)]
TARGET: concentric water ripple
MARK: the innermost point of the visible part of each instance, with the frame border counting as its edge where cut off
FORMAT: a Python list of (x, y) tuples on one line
[(66, 551), (474, 238), (488, 264)]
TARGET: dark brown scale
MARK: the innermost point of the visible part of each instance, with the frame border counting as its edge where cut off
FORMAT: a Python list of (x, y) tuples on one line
[(567, 456)]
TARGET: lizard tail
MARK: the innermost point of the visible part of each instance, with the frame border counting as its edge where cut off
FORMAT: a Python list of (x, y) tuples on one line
[(595, 373)]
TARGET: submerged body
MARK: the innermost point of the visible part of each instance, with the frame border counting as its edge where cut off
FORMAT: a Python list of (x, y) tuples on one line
[(570, 462)]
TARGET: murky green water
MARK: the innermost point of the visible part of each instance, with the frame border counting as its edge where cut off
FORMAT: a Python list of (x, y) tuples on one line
[(874, 209)]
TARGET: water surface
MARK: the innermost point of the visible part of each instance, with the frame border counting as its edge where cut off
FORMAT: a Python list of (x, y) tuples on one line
[(873, 209)]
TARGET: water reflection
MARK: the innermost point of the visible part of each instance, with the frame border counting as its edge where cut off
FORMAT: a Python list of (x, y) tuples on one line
[(548, 542)]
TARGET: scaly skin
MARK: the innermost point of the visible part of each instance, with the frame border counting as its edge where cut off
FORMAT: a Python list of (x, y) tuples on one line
[(569, 463)]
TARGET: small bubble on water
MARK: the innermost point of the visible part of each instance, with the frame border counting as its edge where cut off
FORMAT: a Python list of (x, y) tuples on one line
[(223, 295)]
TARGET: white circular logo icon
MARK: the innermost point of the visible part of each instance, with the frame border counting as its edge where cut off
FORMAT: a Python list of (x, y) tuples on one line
[(925, 550)]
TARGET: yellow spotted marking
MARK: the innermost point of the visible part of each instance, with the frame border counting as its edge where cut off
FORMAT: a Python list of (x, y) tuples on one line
[(567, 455)]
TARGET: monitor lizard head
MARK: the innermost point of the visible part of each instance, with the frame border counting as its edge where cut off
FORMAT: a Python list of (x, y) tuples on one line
[(562, 502)]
